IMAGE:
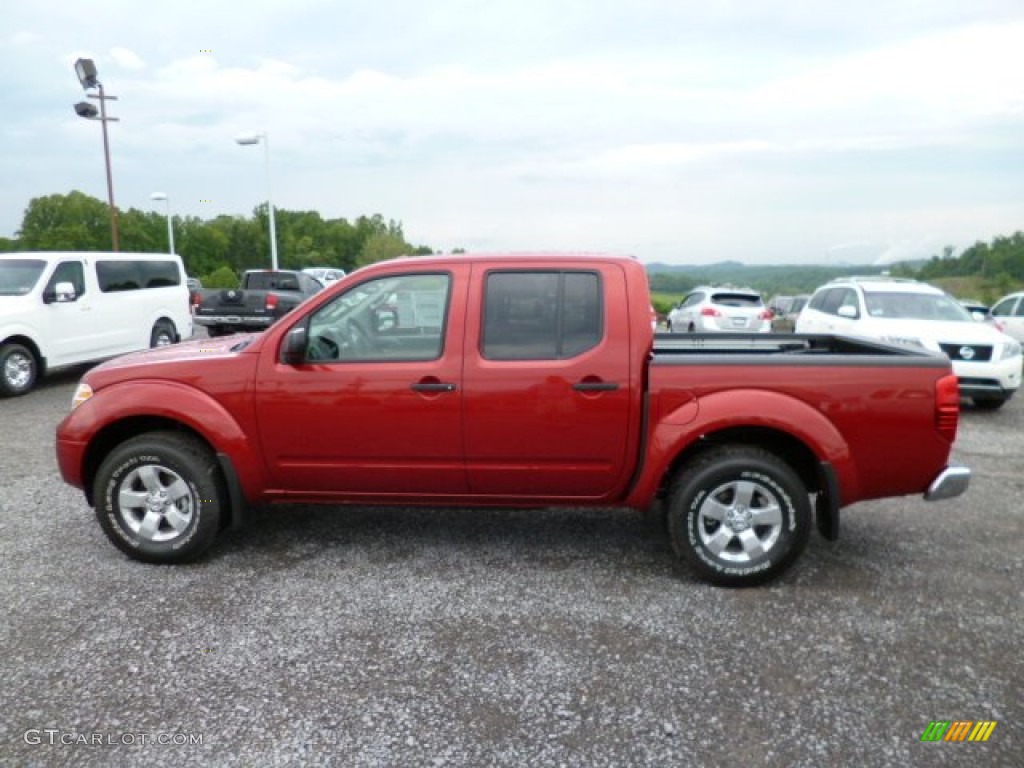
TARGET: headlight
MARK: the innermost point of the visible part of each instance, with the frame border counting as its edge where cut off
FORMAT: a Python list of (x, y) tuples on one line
[(82, 393), (1010, 349)]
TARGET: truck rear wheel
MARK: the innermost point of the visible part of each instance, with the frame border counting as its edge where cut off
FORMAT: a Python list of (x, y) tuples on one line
[(738, 515), (159, 497)]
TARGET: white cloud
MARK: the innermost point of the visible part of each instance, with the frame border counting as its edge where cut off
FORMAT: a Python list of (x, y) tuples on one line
[(666, 129), (127, 59)]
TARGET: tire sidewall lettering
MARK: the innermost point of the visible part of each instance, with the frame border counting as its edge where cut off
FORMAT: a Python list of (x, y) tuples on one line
[(112, 511), (768, 560)]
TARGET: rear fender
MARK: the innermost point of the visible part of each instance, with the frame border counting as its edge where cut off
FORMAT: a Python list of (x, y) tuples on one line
[(680, 428)]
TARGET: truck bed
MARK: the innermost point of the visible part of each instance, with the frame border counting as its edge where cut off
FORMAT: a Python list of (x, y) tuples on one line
[(674, 348)]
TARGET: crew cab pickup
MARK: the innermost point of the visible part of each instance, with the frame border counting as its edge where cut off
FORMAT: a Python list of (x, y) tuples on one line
[(265, 296), (518, 381)]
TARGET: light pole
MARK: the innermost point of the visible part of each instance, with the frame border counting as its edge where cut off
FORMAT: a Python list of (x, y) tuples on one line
[(87, 75), (170, 227), (256, 138)]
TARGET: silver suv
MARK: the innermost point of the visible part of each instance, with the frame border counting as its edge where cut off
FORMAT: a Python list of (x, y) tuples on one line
[(709, 308)]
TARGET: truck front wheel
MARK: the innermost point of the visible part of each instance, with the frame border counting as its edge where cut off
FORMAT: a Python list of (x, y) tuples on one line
[(738, 515), (159, 497)]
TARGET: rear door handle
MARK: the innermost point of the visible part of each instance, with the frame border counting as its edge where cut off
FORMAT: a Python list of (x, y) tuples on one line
[(432, 386), (595, 386)]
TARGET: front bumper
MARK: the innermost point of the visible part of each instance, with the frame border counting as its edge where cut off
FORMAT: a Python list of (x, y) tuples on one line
[(951, 482)]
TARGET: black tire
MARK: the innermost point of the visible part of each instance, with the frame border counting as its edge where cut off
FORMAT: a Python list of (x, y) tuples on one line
[(726, 492), (989, 403), (18, 370), (163, 334), (159, 497), (213, 331)]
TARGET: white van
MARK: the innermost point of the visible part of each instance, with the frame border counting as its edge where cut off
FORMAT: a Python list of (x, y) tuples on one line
[(64, 308)]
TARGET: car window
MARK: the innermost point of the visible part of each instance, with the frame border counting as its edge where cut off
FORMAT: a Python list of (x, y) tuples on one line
[(541, 315), (914, 306), (396, 318), (833, 300), (728, 299), (1005, 307), (67, 272), (693, 299)]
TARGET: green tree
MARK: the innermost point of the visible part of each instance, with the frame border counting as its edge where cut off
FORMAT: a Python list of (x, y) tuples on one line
[(381, 246), (220, 278), (71, 222)]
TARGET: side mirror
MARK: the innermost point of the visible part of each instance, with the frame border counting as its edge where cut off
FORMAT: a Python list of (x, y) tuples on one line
[(384, 319), (848, 312), (978, 315), (63, 293), (293, 349)]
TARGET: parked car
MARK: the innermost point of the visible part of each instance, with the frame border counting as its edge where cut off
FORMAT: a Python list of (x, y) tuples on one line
[(986, 361), (1009, 312), (709, 308), (61, 308), (785, 310), (511, 381), (324, 274)]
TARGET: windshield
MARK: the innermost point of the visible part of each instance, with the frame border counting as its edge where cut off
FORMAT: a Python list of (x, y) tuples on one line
[(19, 276), (915, 306)]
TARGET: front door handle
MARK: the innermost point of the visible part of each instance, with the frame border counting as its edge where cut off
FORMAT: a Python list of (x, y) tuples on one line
[(432, 386), (595, 386)]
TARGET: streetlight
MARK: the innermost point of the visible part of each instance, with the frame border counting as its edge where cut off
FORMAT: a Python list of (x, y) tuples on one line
[(249, 140), (170, 227), (87, 75)]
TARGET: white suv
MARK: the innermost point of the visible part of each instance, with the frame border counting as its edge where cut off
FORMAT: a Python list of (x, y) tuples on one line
[(899, 311)]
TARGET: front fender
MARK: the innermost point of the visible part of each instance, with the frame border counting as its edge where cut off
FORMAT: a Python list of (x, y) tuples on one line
[(116, 412), (677, 427)]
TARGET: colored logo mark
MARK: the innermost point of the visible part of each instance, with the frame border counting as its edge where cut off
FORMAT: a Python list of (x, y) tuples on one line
[(958, 730)]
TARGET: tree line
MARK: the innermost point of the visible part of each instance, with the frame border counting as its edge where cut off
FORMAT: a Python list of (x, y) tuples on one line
[(222, 245)]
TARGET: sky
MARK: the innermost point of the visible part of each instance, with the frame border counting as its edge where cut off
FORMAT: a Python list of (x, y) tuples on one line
[(677, 131)]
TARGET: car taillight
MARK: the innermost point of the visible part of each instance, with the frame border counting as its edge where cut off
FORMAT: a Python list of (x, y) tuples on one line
[(766, 315), (710, 312), (947, 406), (271, 301)]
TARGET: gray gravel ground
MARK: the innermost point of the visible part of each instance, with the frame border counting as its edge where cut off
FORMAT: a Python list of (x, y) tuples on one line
[(477, 638)]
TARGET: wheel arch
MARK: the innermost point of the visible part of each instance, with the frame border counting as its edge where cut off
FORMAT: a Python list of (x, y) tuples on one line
[(798, 434), (163, 319)]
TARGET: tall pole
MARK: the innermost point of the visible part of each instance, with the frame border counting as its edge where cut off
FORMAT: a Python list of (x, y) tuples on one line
[(270, 206), (170, 227), (246, 141), (114, 239)]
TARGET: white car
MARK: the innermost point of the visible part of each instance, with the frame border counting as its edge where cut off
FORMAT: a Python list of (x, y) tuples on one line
[(707, 308), (1009, 312), (325, 275), (60, 308), (986, 361)]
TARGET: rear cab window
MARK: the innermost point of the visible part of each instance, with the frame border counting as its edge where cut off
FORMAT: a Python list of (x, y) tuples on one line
[(541, 315)]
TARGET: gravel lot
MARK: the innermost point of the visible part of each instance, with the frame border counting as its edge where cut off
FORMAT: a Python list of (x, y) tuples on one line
[(472, 638)]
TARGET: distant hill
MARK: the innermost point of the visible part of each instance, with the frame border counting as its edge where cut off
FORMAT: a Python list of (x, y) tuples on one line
[(769, 279)]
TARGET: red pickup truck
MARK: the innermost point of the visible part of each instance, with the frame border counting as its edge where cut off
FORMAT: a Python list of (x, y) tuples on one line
[(521, 381)]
